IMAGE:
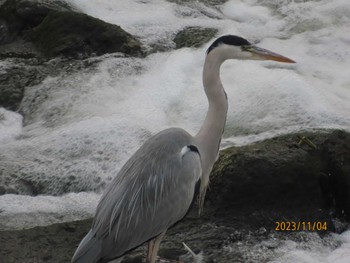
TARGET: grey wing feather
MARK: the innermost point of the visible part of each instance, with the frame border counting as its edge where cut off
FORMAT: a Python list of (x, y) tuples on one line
[(152, 191), (89, 249)]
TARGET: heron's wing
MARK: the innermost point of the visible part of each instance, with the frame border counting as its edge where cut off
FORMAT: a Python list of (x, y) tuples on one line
[(153, 191)]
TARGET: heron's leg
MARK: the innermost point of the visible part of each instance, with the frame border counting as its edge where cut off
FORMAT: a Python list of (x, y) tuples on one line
[(201, 198), (153, 247)]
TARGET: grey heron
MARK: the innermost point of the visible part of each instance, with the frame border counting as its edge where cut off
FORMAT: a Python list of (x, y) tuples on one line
[(156, 186)]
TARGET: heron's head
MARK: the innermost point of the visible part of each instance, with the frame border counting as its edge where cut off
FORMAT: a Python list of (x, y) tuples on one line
[(234, 47)]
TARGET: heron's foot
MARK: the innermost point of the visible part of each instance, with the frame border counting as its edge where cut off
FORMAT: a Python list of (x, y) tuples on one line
[(197, 258)]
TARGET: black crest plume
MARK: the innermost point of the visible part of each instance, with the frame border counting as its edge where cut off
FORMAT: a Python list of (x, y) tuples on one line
[(229, 40)]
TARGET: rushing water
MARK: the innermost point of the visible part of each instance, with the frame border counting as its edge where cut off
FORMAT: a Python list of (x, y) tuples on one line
[(92, 120)]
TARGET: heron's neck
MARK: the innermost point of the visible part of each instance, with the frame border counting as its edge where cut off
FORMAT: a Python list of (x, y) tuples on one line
[(209, 136)]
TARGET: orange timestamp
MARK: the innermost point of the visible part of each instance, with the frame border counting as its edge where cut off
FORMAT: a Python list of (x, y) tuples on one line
[(300, 226)]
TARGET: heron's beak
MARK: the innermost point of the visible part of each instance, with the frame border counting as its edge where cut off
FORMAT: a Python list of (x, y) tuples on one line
[(264, 54)]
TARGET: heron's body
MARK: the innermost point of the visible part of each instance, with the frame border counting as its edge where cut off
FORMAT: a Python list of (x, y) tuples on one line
[(156, 186), (143, 192)]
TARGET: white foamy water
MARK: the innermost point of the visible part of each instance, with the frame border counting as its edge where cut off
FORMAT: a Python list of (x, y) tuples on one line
[(316, 250), (44, 210), (91, 121), (10, 125)]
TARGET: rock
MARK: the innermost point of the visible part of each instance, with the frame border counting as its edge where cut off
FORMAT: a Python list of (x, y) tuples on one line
[(5, 34), (20, 16), (13, 81), (194, 36), (46, 244), (335, 180), (11, 93), (78, 35), (2, 190), (273, 174), (279, 180), (57, 29), (19, 49)]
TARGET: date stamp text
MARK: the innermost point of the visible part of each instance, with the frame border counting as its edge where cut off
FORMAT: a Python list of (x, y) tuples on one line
[(300, 226)]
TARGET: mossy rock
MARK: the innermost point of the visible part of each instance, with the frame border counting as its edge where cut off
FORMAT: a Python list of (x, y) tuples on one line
[(75, 34), (284, 179), (194, 36)]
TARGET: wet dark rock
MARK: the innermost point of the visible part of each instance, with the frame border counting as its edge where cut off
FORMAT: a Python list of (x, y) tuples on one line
[(335, 180), (56, 29), (45, 244), (13, 80), (19, 49), (279, 179), (194, 36), (2, 190), (78, 35), (5, 35), (274, 175), (11, 94), (252, 187), (20, 16)]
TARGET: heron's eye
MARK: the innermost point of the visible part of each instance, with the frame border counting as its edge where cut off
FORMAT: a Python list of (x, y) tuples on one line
[(246, 48)]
